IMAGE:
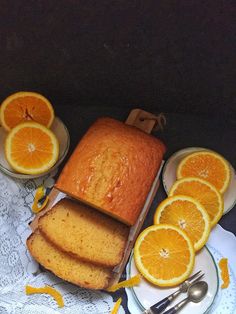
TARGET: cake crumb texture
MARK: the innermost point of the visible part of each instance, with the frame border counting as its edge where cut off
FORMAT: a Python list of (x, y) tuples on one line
[(66, 267), (85, 232)]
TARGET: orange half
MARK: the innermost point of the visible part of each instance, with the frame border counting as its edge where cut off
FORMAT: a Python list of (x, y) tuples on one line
[(31, 148), (25, 106)]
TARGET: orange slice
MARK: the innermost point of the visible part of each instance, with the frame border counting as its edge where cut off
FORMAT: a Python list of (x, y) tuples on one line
[(164, 255), (202, 191), (208, 166), (187, 214), (25, 106), (31, 148)]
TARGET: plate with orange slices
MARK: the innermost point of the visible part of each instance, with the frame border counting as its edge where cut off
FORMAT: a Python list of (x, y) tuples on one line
[(202, 164), (33, 142), (144, 295)]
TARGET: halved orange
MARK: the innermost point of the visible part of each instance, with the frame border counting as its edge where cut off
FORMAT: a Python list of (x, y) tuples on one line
[(25, 106), (31, 148), (187, 214), (202, 191), (208, 166), (164, 255)]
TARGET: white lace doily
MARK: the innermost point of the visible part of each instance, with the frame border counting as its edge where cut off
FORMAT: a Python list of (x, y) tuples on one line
[(17, 267)]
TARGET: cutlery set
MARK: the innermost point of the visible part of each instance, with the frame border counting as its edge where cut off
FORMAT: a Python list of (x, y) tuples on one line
[(196, 291)]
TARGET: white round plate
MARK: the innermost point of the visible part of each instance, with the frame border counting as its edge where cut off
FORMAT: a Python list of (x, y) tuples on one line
[(146, 294), (62, 134), (169, 176)]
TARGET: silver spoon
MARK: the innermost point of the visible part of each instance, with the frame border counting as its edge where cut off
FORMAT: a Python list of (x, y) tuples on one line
[(196, 293)]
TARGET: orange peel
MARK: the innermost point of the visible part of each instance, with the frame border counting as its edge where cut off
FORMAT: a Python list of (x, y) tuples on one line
[(39, 194), (223, 264), (47, 289), (133, 281), (116, 306)]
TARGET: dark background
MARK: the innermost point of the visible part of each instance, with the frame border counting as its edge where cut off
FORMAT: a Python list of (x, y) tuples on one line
[(171, 56), (103, 58)]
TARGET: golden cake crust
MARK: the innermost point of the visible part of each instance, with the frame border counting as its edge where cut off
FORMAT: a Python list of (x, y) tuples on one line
[(112, 168)]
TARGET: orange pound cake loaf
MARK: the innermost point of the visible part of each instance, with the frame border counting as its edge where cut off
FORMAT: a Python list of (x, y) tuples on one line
[(66, 267), (85, 233), (113, 168)]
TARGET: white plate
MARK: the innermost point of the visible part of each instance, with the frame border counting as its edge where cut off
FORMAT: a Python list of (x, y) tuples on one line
[(146, 294), (62, 134), (169, 176)]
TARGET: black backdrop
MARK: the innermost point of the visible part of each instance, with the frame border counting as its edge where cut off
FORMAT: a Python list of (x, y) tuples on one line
[(174, 56), (94, 58)]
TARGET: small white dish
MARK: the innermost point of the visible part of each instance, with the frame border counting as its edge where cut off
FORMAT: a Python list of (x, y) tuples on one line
[(146, 294), (169, 176), (62, 134)]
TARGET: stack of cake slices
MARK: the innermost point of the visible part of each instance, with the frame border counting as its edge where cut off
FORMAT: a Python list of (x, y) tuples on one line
[(79, 244)]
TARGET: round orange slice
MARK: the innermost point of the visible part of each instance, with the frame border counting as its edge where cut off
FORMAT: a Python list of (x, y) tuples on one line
[(202, 191), (208, 166), (25, 106), (31, 148), (164, 255), (187, 214)]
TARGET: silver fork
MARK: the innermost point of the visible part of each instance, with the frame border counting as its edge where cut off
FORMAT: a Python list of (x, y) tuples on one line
[(160, 306)]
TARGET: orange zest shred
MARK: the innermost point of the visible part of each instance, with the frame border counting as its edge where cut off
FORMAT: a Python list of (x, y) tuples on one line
[(38, 196), (223, 264), (116, 306), (49, 290), (133, 281)]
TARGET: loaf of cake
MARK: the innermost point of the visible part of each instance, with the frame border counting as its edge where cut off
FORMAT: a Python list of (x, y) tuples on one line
[(85, 233), (113, 168), (66, 267)]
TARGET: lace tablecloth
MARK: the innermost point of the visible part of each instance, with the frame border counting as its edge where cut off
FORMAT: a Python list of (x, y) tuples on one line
[(17, 267)]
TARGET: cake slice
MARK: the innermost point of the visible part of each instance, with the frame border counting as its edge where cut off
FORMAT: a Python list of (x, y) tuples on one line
[(113, 168), (66, 267), (85, 233)]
